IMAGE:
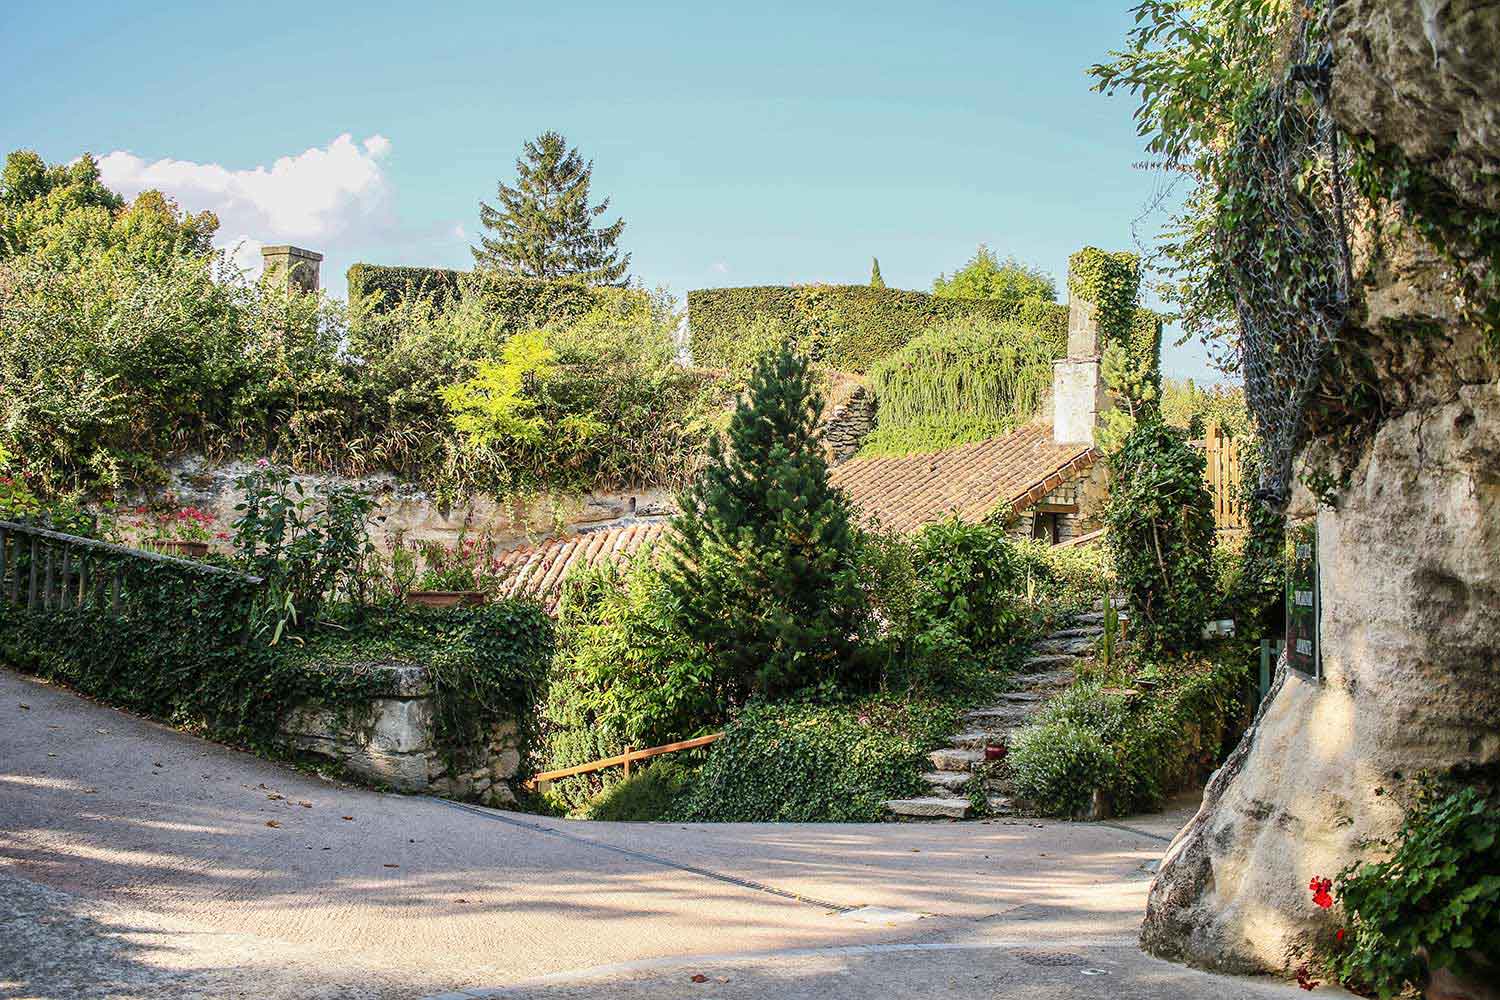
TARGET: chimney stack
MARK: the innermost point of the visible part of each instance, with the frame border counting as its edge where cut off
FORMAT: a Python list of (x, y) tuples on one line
[(1078, 391), (297, 267)]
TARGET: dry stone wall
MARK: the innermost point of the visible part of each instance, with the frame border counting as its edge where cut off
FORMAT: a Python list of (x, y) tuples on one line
[(390, 741)]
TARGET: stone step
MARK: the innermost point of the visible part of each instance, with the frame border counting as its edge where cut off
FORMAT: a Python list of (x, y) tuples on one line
[(1095, 617), (1078, 646), (1001, 805), (1046, 662), (1045, 685), (948, 781), (978, 739), (930, 807), (1085, 631), (953, 759)]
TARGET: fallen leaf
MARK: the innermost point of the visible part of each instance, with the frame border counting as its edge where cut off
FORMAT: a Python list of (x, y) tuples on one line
[(24, 706), (156, 763), (460, 900), (698, 977), (274, 797), (390, 866), (273, 824), (52, 755), (91, 791), (305, 805), (346, 817)]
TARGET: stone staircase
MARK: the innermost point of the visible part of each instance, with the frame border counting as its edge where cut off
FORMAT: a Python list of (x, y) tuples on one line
[(1047, 671)]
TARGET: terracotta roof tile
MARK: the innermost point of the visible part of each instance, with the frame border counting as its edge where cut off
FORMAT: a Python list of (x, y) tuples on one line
[(538, 571), (971, 480)]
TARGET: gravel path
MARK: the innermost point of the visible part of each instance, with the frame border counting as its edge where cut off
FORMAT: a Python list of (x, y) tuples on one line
[(139, 862)]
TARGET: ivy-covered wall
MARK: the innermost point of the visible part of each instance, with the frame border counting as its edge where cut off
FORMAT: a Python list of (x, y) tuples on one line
[(850, 327), (521, 303)]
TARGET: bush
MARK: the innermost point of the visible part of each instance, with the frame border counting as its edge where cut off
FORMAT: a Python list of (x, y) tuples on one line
[(971, 579), (1161, 536), (961, 380), (1137, 735), (654, 793), (1065, 582), (801, 763), (848, 327), (623, 675), (511, 302), (1434, 903)]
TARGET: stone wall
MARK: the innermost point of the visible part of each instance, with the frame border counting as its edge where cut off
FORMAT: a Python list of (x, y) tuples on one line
[(389, 741), (849, 423), (416, 514)]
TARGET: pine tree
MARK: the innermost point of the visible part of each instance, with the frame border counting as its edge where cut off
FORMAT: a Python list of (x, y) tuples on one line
[(876, 281), (762, 569), (543, 227)]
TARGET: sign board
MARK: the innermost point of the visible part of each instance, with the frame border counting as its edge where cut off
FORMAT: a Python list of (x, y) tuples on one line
[(1302, 602)]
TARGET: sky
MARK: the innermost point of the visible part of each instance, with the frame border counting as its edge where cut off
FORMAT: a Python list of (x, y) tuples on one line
[(744, 144)]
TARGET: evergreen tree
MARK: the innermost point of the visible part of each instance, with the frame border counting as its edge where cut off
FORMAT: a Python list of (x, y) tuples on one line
[(543, 227), (762, 569), (876, 281)]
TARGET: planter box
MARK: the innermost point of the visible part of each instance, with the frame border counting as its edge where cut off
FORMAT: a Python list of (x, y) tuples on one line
[(444, 598), (187, 550)]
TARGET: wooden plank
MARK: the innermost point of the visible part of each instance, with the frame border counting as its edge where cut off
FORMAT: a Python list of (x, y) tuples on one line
[(1056, 508), (625, 758)]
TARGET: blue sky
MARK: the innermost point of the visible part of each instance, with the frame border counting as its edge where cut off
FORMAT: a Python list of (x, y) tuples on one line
[(760, 143)]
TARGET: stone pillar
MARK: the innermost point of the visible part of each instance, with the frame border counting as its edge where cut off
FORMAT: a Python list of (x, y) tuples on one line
[(298, 267), (1078, 391)]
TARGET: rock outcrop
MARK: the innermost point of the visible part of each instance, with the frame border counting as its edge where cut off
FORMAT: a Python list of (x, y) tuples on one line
[(1409, 553)]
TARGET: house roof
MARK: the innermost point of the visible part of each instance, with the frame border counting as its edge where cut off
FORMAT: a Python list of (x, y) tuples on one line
[(538, 571), (971, 480)]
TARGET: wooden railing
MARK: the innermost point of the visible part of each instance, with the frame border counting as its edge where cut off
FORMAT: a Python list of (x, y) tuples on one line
[(45, 570), (626, 758), (1223, 476)]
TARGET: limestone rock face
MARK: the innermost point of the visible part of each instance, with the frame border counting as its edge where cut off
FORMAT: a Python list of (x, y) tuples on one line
[(1423, 75), (1409, 555), (1411, 653)]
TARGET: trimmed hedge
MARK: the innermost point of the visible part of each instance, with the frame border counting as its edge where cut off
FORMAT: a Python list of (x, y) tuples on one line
[(851, 327), (521, 303)]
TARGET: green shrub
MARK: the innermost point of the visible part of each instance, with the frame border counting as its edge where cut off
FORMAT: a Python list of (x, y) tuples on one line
[(1055, 766), (1136, 735), (654, 793), (848, 327), (512, 302), (1161, 536), (971, 579), (1064, 582), (379, 287), (960, 380), (1434, 903), (623, 675), (819, 763)]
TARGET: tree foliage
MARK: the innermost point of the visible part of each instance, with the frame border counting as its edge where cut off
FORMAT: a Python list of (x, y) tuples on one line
[(986, 276), (1161, 534), (543, 226), (763, 561)]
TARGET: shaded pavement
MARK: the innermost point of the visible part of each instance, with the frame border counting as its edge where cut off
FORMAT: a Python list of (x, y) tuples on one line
[(139, 862)]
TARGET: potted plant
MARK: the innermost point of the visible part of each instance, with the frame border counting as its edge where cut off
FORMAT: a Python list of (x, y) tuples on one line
[(178, 531), (450, 577)]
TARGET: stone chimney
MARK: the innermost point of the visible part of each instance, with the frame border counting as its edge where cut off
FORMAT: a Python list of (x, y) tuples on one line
[(298, 267), (1079, 395)]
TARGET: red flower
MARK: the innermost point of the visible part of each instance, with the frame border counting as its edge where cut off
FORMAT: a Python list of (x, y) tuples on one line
[(1320, 887), (1339, 937)]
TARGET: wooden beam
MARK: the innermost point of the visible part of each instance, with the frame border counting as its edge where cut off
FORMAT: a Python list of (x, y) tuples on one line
[(1056, 508)]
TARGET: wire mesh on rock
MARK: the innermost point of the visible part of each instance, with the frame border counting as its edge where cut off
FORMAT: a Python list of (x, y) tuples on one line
[(1286, 250)]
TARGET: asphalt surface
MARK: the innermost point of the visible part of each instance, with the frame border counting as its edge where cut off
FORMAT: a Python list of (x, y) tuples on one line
[(136, 861)]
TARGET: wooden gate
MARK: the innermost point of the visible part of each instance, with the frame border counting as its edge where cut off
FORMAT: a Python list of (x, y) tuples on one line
[(1223, 476)]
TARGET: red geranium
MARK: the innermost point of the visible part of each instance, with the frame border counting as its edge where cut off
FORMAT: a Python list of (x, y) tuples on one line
[(1320, 887)]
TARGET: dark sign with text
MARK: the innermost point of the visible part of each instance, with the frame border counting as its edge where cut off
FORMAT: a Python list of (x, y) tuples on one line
[(1302, 600)]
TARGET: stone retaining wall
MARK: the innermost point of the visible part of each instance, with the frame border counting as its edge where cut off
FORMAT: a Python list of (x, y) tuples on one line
[(390, 741), (849, 424)]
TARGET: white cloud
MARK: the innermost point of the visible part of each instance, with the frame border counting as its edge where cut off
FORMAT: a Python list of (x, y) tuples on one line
[(720, 267), (312, 199), (459, 232)]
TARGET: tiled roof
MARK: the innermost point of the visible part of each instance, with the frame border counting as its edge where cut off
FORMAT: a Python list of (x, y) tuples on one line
[(537, 571), (971, 480)]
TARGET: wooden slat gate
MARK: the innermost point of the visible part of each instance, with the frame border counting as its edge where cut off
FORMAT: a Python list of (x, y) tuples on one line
[(1223, 476)]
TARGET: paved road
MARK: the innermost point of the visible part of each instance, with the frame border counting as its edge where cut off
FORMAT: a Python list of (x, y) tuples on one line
[(139, 862)]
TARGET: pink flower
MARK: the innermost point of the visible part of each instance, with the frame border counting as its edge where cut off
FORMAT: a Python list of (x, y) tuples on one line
[(262, 463)]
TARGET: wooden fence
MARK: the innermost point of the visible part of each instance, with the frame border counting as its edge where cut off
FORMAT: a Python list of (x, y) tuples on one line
[(44, 570), (1223, 476)]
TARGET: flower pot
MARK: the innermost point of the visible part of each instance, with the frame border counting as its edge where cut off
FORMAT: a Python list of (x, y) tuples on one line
[(996, 751), (187, 550), (444, 598)]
